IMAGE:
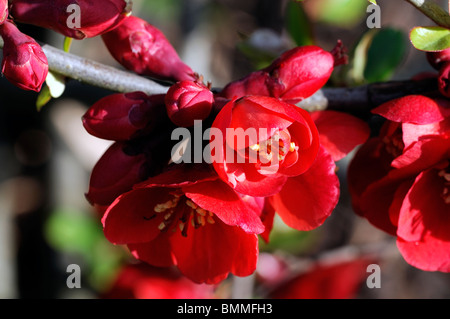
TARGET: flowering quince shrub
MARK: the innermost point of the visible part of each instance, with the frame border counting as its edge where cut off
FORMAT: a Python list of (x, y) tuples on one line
[(205, 218), (262, 155)]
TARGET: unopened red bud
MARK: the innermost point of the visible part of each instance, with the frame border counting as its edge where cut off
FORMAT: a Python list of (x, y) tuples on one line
[(24, 63), (187, 101), (76, 19), (142, 48), (444, 79), (294, 76), (115, 173), (437, 59), (121, 116), (3, 10)]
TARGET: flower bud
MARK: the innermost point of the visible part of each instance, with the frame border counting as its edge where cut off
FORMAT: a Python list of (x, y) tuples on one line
[(121, 116), (76, 19), (24, 63), (187, 101), (436, 59), (3, 10), (142, 48), (444, 79), (294, 76)]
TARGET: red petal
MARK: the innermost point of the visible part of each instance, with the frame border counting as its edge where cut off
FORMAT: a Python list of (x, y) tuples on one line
[(424, 212), (156, 252), (421, 155), (179, 175), (131, 217), (223, 201), (308, 199), (413, 132), (114, 174), (209, 253), (416, 109), (430, 254), (267, 216), (369, 164), (339, 132), (245, 179)]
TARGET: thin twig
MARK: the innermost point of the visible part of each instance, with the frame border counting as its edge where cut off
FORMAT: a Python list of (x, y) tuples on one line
[(432, 11), (357, 100), (97, 74)]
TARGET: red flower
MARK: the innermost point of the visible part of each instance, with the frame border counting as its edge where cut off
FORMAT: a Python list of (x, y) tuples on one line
[(3, 10), (189, 218), (24, 63), (187, 101), (307, 200), (295, 75), (144, 49), (400, 179), (142, 281), (282, 141), (95, 17)]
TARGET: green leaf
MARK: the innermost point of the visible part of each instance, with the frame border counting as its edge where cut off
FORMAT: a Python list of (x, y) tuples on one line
[(298, 24), (373, 1), (342, 13), (430, 39), (73, 231), (386, 53), (43, 97), (67, 44)]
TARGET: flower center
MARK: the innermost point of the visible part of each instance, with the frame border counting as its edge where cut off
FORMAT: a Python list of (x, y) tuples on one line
[(274, 149), (180, 212)]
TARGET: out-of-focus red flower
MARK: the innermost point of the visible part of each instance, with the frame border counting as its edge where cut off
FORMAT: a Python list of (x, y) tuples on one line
[(189, 218), (325, 281), (187, 101), (95, 17), (294, 76), (265, 141), (400, 180), (122, 116), (444, 79), (142, 48), (142, 281), (24, 63), (3, 10)]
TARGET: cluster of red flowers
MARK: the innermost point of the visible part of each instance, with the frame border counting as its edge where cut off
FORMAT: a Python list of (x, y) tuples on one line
[(400, 179), (205, 218)]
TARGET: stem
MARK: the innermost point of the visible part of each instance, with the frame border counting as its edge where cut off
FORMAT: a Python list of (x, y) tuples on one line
[(358, 100), (432, 11), (97, 74)]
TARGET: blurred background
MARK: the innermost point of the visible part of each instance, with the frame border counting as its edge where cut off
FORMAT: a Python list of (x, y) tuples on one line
[(46, 157)]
